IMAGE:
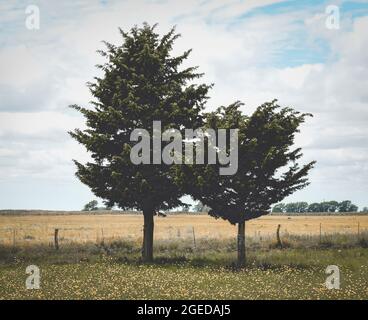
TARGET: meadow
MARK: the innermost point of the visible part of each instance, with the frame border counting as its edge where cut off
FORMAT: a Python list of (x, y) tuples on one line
[(89, 265)]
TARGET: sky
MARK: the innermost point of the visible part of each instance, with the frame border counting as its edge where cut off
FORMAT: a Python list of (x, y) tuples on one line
[(253, 51)]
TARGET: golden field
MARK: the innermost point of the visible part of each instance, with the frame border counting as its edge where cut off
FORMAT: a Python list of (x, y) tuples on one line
[(30, 229)]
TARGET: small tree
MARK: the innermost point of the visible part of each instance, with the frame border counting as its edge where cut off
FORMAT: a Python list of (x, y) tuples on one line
[(267, 169), (91, 206), (142, 82)]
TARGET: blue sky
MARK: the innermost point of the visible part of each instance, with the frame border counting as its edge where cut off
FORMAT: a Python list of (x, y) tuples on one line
[(253, 51)]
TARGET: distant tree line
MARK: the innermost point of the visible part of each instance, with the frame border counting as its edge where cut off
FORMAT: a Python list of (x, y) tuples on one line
[(325, 206)]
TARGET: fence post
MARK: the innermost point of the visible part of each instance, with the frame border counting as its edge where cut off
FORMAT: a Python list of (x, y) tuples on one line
[(279, 243), (358, 230), (194, 239), (14, 236), (56, 239), (103, 238), (320, 233)]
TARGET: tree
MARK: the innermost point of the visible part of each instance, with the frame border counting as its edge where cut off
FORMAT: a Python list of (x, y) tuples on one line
[(291, 207), (267, 169), (328, 206), (280, 207), (91, 206), (314, 207), (142, 82), (333, 206), (296, 207), (302, 207), (347, 206)]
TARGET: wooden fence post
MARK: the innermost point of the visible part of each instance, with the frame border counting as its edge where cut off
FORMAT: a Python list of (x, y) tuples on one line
[(14, 236), (279, 243), (56, 239), (103, 237), (194, 239)]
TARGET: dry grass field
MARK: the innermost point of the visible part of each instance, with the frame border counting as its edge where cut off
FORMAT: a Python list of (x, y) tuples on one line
[(31, 229)]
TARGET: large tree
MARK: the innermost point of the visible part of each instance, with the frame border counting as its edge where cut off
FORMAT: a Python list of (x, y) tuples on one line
[(268, 170), (142, 82)]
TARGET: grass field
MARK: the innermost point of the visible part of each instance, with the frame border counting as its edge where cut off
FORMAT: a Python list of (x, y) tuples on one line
[(114, 271), (121, 281), (89, 266), (29, 229)]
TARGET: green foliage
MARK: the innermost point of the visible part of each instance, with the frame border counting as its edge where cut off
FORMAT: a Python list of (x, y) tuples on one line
[(267, 171), (329, 206), (91, 206), (298, 207), (314, 207), (280, 207), (325, 206), (142, 82), (347, 206)]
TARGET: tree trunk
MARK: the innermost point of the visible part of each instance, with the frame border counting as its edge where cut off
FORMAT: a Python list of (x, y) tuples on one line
[(147, 250), (241, 244)]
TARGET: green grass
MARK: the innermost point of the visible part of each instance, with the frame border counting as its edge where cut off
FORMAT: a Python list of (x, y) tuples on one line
[(180, 271)]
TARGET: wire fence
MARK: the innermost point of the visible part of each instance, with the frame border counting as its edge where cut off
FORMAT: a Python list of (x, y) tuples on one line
[(55, 235)]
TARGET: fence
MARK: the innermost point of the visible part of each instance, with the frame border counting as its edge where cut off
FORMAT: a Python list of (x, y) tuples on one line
[(27, 235)]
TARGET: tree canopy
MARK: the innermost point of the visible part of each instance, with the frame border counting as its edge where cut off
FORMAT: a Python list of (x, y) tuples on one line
[(267, 171), (268, 168), (142, 82)]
